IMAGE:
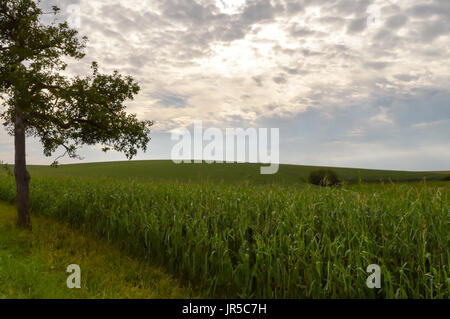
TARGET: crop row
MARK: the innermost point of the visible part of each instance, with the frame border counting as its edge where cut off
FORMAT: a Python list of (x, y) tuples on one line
[(267, 241)]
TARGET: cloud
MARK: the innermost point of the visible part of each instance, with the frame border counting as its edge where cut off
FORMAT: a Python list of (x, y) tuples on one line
[(280, 79), (396, 21), (169, 99), (357, 25), (318, 69), (382, 117)]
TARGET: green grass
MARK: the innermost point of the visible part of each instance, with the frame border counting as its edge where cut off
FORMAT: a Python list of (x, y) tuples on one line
[(216, 173), (33, 264), (239, 240)]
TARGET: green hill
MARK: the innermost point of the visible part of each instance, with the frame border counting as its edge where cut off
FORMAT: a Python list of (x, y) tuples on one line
[(227, 173)]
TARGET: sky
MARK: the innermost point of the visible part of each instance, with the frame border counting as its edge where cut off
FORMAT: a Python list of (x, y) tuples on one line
[(348, 83)]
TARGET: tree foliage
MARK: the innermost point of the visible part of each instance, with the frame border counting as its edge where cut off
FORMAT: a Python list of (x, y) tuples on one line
[(59, 110)]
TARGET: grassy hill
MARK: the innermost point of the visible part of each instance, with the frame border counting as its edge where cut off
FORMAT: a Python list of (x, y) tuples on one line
[(227, 173)]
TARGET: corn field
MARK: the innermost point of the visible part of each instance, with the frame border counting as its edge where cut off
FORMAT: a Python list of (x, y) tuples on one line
[(246, 241)]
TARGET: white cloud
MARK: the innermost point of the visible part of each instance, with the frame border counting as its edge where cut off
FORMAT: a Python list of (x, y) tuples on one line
[(237, 62), (382, 117)]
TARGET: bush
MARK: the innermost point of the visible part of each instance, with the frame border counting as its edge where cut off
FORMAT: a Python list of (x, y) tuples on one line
[(324, 177), (5, 168), (446, 178)]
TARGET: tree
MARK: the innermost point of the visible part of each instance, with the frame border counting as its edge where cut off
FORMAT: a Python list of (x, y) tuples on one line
[(62, 112)]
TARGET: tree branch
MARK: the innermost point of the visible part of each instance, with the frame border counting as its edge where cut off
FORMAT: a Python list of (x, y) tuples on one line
[(61, 124), (68, 151)]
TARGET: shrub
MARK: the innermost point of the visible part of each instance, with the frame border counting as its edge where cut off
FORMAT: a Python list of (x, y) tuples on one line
[(5, 168), (324, 177), (446, 178)]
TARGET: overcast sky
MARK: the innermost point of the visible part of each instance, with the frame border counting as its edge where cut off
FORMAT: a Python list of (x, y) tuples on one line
[(349, 83)]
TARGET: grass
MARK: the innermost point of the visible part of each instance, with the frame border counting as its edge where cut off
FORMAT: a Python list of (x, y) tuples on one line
[(33, 264), (217, 173), (291, 241)]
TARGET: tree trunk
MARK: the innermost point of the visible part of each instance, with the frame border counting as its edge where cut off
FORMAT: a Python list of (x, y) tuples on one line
[(21, 173)]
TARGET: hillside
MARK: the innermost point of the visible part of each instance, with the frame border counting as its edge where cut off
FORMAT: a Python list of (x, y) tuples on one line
[(228, 173)]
